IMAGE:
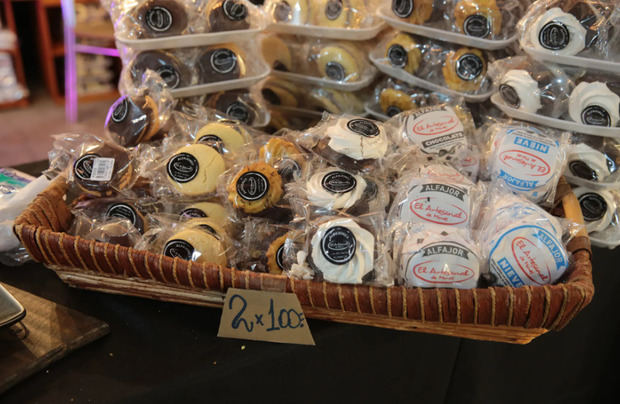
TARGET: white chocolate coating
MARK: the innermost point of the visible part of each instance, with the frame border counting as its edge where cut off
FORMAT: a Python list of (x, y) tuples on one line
[(319, 195), (593, 94), (526, 88), (576, 32), (358, 147)]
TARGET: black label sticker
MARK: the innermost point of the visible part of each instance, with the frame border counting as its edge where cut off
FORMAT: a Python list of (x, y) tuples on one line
[(119, 113), (333, 9), (193, 213), (288, 168), (335, 71), (213, 141), (593, 206), (402, 8), (397, 55), (182, 167), (234, 10), (122, 211), (393, 110), (595, 115), (363, 127), (252, 186), (238, 110), (223, 60), (170, 76), (179, 249), (339, 182), (469, 67), (509, 94), (338, 245), (159, 19), (477, 25), (582, 170), (83, 167), (554, 36), (279, 257)]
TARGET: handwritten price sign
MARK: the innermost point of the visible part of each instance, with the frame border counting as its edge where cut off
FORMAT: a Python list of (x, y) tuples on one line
[(264, 316)]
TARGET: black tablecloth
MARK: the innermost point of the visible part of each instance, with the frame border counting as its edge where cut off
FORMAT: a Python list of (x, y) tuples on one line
[(169, 353)]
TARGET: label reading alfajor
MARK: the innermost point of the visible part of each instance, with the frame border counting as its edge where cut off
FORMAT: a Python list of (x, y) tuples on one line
[(363, 127), (595, 115), (339, 182), (335, 71), (509, 94), (469, 67), (554, 36), (179, 249), (397, 55), (338, 245), (402, 8), (527, 255), (477, 25), (158, 19), (119, 113), (103, 168), (182, 167), (435, 129), (333, 9), (444, 204), (223, 60), (122, 211), (213, 141), (252, 186), (441, 264), (234, 10)]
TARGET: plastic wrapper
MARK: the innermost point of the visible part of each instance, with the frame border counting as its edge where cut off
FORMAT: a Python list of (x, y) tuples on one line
[(444, 132), (143, 114), (595, 101), (245, 105), (11, 181), (608, 236), (282, 153), (125, 206), (527, 159), (156, 24), (291, 118), (523, 244), (211, 208), (587, 29), (329, 63), (352, 143), (196, 71), (200, 240), (342, 249), (111, 229), (348, 19), (436, 66), (598, 207), (593, 162)]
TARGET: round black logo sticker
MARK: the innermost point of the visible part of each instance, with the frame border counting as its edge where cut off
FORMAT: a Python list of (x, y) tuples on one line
[(238, 110), (335, 71), (193, 212), (554, 36), (223, 60), (477, 25), (213, 141), (122, 211), (402, 8), (363, 127), (469, 67), (288, 168), (279, 257), (170, 76), (234, 10), (182, 167), (179, 249), (593, 206), (397, 55), (120, 110), (582, 170), (339, 182), (159, 19), (509, 94), (393, 110), (333, 9), (83, 167), (252, 186), (338, 245), (595, 115)]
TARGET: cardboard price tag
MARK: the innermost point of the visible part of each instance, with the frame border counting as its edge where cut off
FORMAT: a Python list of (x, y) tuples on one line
[(264, 316)]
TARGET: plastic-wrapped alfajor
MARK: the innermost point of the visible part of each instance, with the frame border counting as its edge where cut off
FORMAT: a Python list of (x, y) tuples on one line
[(593, 162), (595, 101), (525, 158), (245, 105), (522, 244), (110, 229), (443, 131), (598, 207)]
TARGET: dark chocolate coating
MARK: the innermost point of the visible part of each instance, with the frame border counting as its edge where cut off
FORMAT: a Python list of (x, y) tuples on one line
[(171, 70), (218, 64), (82, 169), (340, 160), (130, 119), (235, 103), (228, 15), (114, 233), (160, 18)]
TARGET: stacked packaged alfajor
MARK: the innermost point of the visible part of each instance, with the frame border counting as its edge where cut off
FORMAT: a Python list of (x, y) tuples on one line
[(318, 53), (570, 79)]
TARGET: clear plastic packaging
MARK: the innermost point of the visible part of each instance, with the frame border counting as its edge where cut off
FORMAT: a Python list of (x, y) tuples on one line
[(263, 245), (527, 159), (165, 24), (244, 105), (281, 153), (126, 207), (351, 20), (593, 162), (196, 71), (291, 118), (333, 64), (444, 132), (609, 237), (598, 207), (576, 33), (486, 24), (435, 66)]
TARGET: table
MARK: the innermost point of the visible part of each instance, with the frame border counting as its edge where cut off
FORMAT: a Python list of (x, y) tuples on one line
[(167, 352)]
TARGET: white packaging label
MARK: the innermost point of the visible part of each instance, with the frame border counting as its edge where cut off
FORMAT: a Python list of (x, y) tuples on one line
[(103, 168), (435, 129), (444, 204)]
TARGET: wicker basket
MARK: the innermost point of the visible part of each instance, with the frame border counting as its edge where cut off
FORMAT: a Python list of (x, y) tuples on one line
[(515, 315)]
